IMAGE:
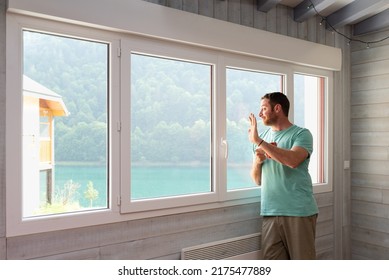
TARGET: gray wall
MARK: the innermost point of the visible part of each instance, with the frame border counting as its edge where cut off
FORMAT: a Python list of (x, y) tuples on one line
[(370, 148), (163, 237)]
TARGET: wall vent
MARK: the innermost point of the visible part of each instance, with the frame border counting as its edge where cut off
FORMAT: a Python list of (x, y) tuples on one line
[(242, 247)]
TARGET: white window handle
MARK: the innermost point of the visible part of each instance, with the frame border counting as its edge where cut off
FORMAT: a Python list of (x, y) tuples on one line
[(225, 144)]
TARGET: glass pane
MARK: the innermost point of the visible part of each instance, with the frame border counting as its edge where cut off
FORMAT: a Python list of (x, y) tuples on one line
[(309, 113), (170, 127), (44, 130), (68, 79), (244, 91), (44, 119)]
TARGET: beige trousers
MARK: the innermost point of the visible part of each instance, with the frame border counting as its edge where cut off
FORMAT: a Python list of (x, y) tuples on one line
[(289, 238)]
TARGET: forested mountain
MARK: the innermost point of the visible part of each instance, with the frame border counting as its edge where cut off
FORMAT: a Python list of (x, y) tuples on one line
[(76, 70), (170, 102)]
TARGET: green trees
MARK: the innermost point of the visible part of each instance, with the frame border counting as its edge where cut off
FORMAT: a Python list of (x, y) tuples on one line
[(170, 101), (78, 71), (170, 111)]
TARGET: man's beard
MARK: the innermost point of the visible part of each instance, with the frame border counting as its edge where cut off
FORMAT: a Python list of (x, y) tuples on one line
[(269, 121)]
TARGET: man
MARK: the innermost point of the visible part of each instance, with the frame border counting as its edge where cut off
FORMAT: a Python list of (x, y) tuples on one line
[(280, 166)]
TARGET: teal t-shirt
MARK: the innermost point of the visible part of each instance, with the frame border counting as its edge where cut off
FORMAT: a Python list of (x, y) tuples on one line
[(287, 191)]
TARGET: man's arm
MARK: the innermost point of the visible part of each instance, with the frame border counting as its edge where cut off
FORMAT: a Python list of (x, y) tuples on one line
[(291, 158), (256, 169)]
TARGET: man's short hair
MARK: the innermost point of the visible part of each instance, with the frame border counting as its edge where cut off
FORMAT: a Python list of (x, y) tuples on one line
[(278, 98)]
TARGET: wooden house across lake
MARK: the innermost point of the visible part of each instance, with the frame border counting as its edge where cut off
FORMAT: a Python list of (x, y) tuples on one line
[(41, 105)]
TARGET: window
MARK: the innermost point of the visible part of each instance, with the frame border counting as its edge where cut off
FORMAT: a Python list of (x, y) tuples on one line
[(65, 124), (244, 91), (117, 126), (170, 127), (310, 112), (46, 129), (168, 154)]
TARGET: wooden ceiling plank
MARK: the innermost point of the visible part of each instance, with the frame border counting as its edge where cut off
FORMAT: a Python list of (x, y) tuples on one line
[(374, 23), (356, 11), (305, 10)]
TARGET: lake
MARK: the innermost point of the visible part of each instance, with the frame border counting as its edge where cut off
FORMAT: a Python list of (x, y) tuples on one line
[(148, 182)]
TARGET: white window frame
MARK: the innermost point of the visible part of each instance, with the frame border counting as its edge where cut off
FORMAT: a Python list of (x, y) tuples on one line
[(16, 224), (249, 64), (167, 50), (120, 208), (326, 186)]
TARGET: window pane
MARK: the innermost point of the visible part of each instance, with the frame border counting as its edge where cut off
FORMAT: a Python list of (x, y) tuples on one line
[(45, 127), (65, 162), (244, 92), (170, 127), (44, 130), (309, 112)]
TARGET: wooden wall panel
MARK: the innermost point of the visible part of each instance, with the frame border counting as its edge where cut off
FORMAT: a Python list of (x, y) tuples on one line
[(379, 224), (370, 152), (260, 20), (370, 180), (175, 4), (324, 228), (372, 167), (370, 148), (370, 82), (379, 210), (206, 8), (220, 8), (47, 244), (366, 251), (3, 248), (368, 55), (378, 110), (87, 254), (325, 243), (375, 124), (302, 30), (173, 243), (190, 6), (247, 13), (234, 11), (292, 25), (372, 68), (385, 196), (271, 20), (376, 96), (282, 20)]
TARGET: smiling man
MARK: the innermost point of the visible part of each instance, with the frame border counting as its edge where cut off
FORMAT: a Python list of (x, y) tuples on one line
[(280, 166)]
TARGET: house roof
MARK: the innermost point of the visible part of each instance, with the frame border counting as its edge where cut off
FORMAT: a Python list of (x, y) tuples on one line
[(53, 100)]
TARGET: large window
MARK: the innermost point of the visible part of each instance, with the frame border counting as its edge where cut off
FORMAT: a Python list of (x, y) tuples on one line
[(65, 124), (108, 127)]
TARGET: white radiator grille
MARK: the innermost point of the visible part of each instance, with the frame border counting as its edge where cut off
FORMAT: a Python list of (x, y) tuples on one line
[(225, 249)]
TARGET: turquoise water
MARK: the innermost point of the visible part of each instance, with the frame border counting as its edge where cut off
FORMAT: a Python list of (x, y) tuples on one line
[(147, 182)]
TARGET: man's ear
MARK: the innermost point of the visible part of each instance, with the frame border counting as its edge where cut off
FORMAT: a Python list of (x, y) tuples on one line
[(277, 108)]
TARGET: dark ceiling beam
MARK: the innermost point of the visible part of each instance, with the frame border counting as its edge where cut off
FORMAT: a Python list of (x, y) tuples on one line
[(266, 5), (372, 24), (356, 11), (305, 10)]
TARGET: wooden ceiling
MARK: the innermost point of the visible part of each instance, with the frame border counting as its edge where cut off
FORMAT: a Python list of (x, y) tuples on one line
[(364, 16)]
